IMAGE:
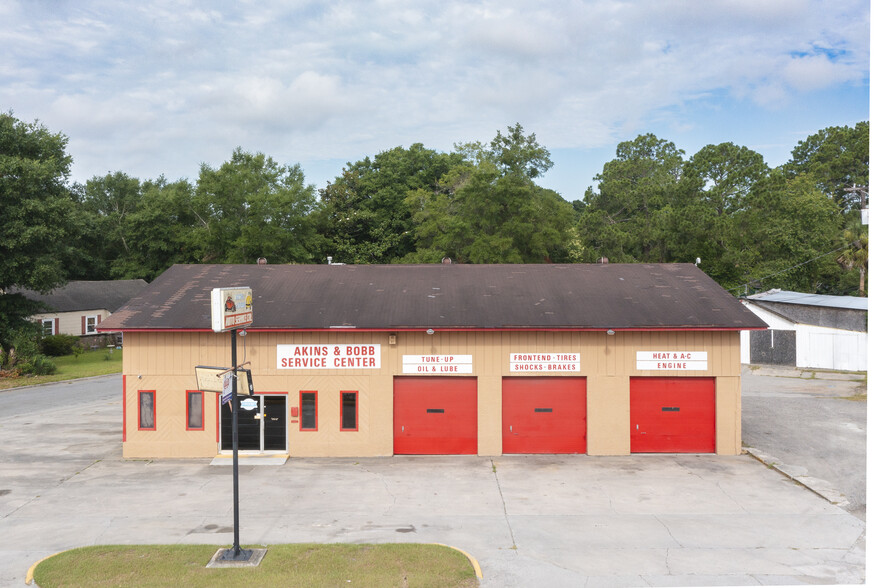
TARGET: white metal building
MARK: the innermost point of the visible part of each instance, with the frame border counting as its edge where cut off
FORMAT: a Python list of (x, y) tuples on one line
[(808, 330)]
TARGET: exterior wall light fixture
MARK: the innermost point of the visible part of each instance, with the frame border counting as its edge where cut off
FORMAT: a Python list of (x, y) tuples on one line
[(429, 331), (611, 332)]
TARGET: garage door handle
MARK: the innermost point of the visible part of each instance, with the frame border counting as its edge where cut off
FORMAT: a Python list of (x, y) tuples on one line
[(637, 427), (403, 428), (510, 428)]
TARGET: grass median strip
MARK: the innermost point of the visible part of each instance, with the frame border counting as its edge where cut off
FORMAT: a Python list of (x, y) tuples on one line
[(302, 564)]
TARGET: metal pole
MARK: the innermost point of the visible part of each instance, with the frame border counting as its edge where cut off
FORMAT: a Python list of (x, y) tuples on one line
[(236, 553), (235, 449)]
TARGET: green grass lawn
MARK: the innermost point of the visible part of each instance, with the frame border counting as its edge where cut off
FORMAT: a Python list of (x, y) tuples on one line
[(90, 363), (307, 564)]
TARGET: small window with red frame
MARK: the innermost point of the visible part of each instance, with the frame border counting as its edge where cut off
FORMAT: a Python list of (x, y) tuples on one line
[(308, 411), (195, 418), (349, 411), (147, 410)]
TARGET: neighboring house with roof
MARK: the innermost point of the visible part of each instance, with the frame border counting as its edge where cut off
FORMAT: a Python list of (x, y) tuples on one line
[(808, 330), (370, 360), (78, 307)]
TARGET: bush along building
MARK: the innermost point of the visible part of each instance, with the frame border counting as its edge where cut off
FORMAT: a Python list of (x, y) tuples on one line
[(375, 360)]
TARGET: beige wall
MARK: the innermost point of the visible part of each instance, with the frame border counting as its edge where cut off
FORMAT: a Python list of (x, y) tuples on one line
[(164, 362), (70, 323)]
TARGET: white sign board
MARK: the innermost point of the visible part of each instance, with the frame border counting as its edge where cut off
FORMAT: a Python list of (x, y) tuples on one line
[(231, 308), (227, 389), (672, 360), (437, 364), (327, 357), (544, 362)]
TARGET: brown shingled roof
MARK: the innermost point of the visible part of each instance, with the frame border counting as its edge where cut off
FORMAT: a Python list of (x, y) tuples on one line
[(86, 295), (397, 297)]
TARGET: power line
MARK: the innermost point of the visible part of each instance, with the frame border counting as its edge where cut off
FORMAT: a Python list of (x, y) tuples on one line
[(745, 286)]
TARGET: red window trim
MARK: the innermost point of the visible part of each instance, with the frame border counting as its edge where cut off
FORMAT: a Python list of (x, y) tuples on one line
[(124, 407), (300, 404), (153, 393), (356, 392), (187, 410)]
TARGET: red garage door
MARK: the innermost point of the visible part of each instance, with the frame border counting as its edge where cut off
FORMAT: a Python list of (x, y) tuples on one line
[(435, 416), (672, 415), (544, 415)]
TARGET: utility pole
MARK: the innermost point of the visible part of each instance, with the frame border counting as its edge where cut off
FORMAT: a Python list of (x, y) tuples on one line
[(864, 195)]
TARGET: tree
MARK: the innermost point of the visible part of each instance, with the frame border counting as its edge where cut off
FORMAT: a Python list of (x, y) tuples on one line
[(160, 231), (629, 218), (836, 158), (363, 212), (855, 257), (113, 198), (712, 199), (789, 229), (36, 209), (253, 207), (490, 210)]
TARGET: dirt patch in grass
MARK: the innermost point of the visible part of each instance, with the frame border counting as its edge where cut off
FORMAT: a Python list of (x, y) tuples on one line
[(306, 564)]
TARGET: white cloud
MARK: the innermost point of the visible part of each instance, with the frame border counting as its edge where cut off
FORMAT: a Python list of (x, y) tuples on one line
[(312, 80)]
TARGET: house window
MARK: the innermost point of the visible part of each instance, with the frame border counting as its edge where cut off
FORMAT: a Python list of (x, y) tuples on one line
[(349, 411), (308, 410), (195, 420), (147, 410), (48, 327), (90, 323)]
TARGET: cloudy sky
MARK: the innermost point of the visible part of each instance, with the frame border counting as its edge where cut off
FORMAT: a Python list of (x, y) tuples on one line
[(159, 86)]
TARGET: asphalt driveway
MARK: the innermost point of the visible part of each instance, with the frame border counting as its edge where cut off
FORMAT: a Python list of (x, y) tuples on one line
[(812, 425), (648, 520)]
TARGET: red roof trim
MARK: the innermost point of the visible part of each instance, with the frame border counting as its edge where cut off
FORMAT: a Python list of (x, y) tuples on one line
[(449, 329)]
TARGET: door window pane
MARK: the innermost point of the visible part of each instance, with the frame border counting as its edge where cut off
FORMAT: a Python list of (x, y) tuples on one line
[(308, 411), (146, 410), (349, 411), (194, 411), (275, 423)]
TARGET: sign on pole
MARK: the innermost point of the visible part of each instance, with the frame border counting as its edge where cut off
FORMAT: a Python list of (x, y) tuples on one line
[(231, 308), (211, 379), (227, 390)]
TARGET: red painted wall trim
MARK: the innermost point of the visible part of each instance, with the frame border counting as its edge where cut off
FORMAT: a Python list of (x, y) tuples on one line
[(124, 407), (447, 329)]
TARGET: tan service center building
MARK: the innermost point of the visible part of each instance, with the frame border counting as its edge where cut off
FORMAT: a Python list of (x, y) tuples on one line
[(376, 360)]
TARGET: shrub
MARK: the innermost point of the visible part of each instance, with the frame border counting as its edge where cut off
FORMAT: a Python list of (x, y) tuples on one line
[(58, 345), (38, 365)]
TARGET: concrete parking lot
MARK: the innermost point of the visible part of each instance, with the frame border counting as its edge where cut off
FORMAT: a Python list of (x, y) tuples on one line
[(644, 520)]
